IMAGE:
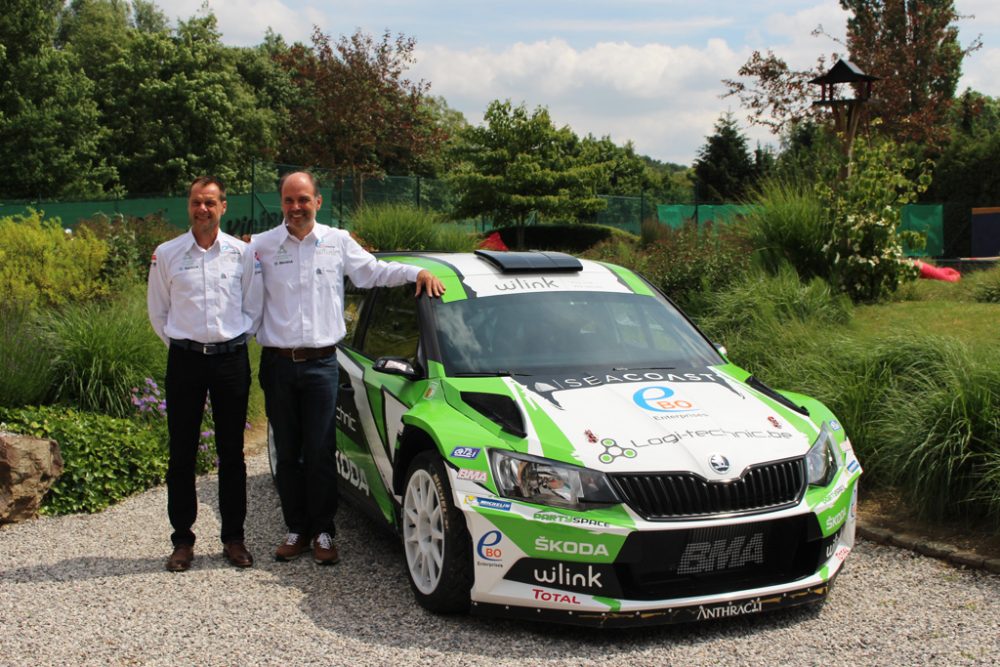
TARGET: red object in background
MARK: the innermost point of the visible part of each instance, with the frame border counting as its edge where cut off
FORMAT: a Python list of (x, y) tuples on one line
[(938, 272), (493, 242)]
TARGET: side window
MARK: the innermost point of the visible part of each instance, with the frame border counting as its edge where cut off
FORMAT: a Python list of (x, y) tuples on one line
[(354, 298), (393, 330)]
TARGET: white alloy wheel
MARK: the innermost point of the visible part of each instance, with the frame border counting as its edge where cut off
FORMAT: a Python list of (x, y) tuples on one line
[(423, 532)]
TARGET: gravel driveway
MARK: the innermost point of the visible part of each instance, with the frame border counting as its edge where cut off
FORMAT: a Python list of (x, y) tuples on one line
[(92, 590)]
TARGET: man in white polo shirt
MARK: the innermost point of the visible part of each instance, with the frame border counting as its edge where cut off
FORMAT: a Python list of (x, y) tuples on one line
[(205, 298), (303, 264)]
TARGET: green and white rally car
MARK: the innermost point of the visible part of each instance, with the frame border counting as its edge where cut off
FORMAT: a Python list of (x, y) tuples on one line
[(554, 439)]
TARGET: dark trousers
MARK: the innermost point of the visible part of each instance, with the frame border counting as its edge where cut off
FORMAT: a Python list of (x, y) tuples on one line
[(301, 403), (226, 379)]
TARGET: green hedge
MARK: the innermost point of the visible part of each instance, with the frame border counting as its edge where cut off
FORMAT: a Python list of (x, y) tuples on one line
[(106, 459)]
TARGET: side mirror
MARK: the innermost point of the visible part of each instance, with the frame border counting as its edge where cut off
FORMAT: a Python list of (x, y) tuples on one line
[(721, 349), (397, 366)]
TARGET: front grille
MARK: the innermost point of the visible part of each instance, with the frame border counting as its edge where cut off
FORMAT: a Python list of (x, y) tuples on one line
[(679, 495), (660, 565)]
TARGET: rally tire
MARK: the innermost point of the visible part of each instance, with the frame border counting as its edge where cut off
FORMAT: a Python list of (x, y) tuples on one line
[(435, 538)]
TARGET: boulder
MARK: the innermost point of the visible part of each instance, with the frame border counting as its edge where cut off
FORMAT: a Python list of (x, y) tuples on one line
[(28, 468)]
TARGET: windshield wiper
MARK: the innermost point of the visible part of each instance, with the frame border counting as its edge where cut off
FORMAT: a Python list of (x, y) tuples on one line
[(489, 374), (781, 398), (644, 368)]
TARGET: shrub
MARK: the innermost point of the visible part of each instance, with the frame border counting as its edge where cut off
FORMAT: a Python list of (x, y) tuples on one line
[(572, 238), (106, 459), (395, 227), (102, 350), (689, 263), (984, 286), (788, 224), (41, 264), (25, 358), (865, 250), (131, 242)]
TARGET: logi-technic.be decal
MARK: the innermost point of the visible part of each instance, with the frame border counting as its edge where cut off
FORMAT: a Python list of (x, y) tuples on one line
[(465, 452), (488, 503)]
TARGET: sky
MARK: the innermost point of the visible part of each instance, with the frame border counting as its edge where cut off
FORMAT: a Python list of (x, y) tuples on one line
[(649, 71)]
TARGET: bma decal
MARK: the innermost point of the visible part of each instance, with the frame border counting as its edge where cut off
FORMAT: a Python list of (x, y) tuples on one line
[(352, 473), (659, 399), (474, 475), (722, 554), (569, 547)]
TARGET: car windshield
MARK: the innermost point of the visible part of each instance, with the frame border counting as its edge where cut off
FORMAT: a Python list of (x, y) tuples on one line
[(532, 332)]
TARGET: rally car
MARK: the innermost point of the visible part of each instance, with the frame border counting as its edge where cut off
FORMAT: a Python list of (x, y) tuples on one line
[(554, 439)]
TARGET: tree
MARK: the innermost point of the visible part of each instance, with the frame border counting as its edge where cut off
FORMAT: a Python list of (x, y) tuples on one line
[(724, 170), (49, 127), (518, 166), (177, 106), (911, 46), (355, 112)]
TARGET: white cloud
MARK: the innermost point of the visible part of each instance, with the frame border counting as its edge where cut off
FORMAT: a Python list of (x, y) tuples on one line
[(665, 99)]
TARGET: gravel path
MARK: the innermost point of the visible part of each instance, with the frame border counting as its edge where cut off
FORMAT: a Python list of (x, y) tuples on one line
[(91, 590)]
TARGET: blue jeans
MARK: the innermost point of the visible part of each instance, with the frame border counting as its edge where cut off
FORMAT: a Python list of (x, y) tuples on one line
[(300, 399)]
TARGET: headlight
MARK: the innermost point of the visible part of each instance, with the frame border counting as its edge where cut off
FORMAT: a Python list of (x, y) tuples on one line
[(547, 482), (822, 461)]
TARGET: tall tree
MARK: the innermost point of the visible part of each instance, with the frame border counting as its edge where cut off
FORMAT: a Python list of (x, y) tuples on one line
[(49, 127), (177, 107), (518, 165), (355, 112), (911, 45), (724, 170)]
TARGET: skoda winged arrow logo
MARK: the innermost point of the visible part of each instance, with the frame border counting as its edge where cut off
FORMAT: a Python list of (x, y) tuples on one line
[(719, 463)]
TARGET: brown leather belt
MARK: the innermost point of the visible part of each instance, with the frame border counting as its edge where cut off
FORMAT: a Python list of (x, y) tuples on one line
[(302, 353)]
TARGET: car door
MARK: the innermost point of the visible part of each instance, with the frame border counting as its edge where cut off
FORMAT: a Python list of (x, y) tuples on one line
[(370, 405)]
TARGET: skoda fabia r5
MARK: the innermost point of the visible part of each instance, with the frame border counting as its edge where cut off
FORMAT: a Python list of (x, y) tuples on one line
[(554, 439)]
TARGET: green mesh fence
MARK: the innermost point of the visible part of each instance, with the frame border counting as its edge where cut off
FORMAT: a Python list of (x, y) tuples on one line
[(927, 219), (260, 209)]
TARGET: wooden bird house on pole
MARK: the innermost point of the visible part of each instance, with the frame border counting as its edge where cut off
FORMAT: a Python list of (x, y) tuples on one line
[(847, 112)]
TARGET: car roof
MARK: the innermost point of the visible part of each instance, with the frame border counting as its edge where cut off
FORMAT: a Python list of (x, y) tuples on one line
[(491, 273)]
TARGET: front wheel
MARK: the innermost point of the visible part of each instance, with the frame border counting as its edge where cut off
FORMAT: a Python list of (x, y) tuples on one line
[(435, 538)]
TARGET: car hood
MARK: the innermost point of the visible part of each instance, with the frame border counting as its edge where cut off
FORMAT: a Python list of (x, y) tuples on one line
[(703, 421)]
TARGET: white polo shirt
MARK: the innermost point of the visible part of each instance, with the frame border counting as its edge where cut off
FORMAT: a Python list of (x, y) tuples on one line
[(208, 296), (304, 283)]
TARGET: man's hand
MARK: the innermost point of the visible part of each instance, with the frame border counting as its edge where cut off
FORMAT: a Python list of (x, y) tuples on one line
[(428, 282)]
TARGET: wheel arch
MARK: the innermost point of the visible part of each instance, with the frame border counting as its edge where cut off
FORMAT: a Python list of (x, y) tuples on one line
[(412, 442)]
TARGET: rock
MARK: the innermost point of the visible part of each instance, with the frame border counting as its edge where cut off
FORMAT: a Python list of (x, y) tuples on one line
[(28, 468)]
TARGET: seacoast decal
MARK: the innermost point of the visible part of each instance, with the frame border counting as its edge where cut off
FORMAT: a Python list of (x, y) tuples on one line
[(546, 386)]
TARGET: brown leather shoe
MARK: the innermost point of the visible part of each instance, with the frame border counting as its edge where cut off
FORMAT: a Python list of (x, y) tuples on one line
[(293, 547), (180, 559), (324, 550), (237, 554)]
